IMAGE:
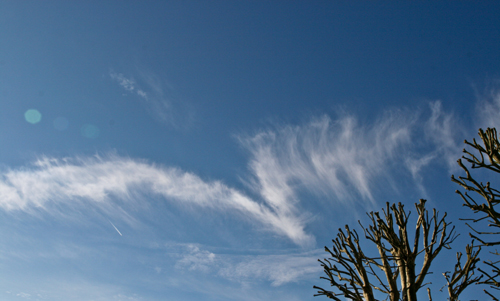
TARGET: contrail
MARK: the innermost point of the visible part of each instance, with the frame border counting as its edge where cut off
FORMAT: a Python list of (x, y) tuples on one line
[(115, 228)]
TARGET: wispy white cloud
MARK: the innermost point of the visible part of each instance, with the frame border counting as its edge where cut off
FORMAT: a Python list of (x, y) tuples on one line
[(23, 295), (142, 94), (195, 259), (332, 157), (488, 107), (342, 158), (440, 143), (68, 289), (128, 84), (51, 182), (158, 97), (278, 269), (443, 130), (415, 166), (211, 288), (347, 159)]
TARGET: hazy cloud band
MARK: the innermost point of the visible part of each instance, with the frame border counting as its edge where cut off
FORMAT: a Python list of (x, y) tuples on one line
[(100, 180)]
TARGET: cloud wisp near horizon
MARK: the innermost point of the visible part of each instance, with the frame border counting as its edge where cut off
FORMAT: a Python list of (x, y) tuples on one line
[(325, 156), (278, 269)]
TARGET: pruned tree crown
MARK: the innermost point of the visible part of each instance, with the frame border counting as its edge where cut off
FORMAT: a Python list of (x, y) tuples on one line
[(394, 272)]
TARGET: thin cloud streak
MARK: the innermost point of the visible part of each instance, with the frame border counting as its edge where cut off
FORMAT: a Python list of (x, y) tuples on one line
[(102, 180), (115, 228)]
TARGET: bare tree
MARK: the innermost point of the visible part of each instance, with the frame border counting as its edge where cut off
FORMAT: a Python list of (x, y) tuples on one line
[(487, 157), (354, 275), (393, 273)]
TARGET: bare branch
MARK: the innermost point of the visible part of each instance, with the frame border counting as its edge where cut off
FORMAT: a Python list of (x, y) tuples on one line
[(488, 158), (463, 276), (355, 274)]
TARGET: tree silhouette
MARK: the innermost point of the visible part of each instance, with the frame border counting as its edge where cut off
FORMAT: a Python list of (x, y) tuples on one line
[(393, 272), (355, 275), (487, 158)]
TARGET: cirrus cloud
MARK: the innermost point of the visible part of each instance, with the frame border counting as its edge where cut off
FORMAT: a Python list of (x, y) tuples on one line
[(101, 180)]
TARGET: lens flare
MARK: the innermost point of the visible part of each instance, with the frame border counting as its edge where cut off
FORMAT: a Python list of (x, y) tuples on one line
[(33, 116)]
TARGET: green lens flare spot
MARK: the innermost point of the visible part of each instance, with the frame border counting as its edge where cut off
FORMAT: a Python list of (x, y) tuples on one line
[(33, 116), (90, 131)]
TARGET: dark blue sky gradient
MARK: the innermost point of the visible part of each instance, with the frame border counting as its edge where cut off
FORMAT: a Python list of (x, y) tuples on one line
[(217, 90)]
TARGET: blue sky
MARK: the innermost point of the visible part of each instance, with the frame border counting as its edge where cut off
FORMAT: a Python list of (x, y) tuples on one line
[(209, 150)]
